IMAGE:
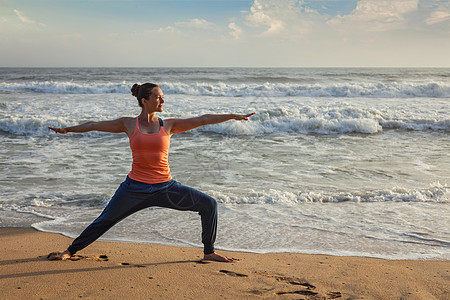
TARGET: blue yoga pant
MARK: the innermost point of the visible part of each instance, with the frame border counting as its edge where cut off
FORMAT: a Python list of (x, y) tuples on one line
[(132, 196)]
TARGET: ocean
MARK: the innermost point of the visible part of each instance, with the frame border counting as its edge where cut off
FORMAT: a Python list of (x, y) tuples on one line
[(340, 161)]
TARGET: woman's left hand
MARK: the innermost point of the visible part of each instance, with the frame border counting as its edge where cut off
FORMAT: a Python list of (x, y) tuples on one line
[(242, 117)]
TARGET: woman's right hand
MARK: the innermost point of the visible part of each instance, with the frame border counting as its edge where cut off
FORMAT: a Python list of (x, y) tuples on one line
[(242, 117), (58, 130)]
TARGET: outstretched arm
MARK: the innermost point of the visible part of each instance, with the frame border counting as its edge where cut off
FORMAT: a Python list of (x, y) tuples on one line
[(182, 125), (113, 126)]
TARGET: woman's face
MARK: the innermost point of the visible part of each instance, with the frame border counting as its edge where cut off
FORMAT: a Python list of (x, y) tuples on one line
[(156, 100)]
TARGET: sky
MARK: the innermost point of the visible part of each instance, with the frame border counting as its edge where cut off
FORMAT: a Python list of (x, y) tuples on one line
[(229, 33)]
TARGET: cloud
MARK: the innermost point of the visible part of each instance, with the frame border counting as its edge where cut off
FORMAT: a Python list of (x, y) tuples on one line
[(438, 17), (236, 31), (25, 19), (293, 23), (257, 18), (376, 15), (168, 29), (285, 19), (196, 24)]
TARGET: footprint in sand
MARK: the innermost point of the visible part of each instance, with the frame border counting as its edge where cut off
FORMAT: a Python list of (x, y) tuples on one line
[(308, 291), (55, 256), (294, 281), (304, 293), (289, 280), (334, 295), (131, 265), (329, 295), (231, 273)]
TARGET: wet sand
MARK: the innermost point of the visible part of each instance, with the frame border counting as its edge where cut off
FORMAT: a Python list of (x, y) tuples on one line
[(114, 270)]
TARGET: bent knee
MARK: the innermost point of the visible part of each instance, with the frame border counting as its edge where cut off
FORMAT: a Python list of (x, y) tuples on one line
[(212, 204), (209, 205)]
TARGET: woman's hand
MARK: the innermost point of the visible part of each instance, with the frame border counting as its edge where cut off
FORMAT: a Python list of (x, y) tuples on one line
[(242, 117), (58, 130)]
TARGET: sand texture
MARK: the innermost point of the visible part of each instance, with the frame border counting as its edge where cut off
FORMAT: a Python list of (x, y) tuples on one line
[(111, 270)]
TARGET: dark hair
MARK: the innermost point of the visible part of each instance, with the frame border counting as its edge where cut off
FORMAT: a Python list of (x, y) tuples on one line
[(142, 91)]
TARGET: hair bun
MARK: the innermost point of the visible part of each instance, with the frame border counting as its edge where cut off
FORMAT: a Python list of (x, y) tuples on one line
[(135, 89)]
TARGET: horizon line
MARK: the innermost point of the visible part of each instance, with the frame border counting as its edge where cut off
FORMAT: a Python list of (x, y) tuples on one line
[(224, 67)]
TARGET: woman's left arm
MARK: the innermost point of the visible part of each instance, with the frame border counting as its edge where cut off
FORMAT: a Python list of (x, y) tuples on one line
[(182, 125)]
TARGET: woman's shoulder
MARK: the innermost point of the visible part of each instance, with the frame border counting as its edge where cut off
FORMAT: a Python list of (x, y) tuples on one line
[(128, 119), (129, 123)]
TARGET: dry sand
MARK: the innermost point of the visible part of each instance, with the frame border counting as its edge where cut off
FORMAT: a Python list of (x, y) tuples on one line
[(111, 270)]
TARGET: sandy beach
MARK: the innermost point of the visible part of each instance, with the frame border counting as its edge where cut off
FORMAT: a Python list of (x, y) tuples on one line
[(113, 270)]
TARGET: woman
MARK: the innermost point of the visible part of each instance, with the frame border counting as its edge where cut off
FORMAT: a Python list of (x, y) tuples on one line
[(150, 183)]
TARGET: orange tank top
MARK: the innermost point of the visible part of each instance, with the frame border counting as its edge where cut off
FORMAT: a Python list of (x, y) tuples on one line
[(150, 155)]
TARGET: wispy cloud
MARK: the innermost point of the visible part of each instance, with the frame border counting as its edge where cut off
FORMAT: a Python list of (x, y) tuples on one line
[(259, 17), (235, 31), (26, 19), (376, 15), (286, 19), (22, 17), (167, 29), (438, 17), (196, 23)]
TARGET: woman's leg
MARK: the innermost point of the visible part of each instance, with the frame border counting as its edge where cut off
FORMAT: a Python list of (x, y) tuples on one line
[(133, 196), (181, 197), (127, 200)]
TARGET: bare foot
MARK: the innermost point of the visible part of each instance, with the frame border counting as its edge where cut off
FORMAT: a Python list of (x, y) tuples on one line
[(65, 255), (217, 257)]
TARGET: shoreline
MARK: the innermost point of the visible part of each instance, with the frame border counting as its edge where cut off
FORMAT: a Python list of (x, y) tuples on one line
[(236, 250), (348, 254), (118, 270)]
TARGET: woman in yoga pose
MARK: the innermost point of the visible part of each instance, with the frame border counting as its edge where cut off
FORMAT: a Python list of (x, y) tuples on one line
[(150, 182)]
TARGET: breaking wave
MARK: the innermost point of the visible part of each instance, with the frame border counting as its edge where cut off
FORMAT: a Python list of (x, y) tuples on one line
[(436, 193), (221, 89), (304, 120)]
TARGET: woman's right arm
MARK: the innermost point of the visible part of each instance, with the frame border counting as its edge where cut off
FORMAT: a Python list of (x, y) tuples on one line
[(113, 126)]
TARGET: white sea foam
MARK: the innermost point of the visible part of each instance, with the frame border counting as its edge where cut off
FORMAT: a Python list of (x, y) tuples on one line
[(37, 125), (67, 87), (68, 200), (304, 120), (51, 205), (436, 193), (30, 125), (223, 89), (417, 125)]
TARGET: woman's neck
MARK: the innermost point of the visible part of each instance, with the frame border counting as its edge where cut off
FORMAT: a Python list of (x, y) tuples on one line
[(147, 116)]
